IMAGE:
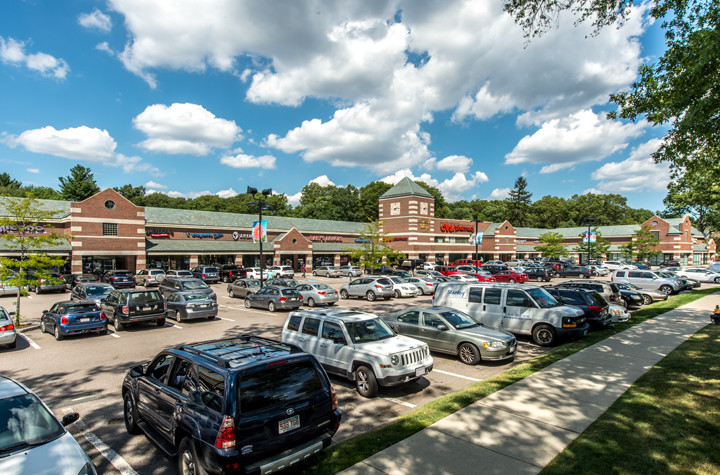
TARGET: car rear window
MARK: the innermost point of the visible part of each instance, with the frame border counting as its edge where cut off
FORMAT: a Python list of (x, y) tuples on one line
[(278, 385), (384, 281), (123, 274), (196, 296), (211, 269), (82, 308), (290, 292), (139, 298), (194, 284)]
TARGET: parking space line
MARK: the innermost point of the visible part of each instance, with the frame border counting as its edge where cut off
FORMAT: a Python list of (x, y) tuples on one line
[(456, 375), (176, 326), (120, 464), (29, 340), (229, 320), (114, 335), (398, 401)]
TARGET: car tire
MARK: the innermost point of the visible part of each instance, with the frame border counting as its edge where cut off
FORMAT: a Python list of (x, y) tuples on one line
[(647, 300), (344, 294), (469, 354), (666, 289), (544, 335), (397, 294), (271, 306), (188, 462), (211, 317), (314, 274), (330, 304), (512, 281), (365, 382), (118, 325), (539, 279), (43, 328), (58, 336), (371, 296), (103, 332), (130, 415), (231, 294), (248, 304), (161, 322), (717, 280), (311, 302)]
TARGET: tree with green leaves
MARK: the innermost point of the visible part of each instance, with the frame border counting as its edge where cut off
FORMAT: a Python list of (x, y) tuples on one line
[(134, 194), (519, 203), (597, 249), (372, 248), (645, 243), (441, 206), (628, 250), (79, 185), (369, 197), (6, 181), (551, 245), (26, 235)]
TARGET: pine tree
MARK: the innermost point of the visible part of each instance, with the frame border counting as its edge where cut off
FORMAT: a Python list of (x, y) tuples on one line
[(519, 203), (80, 185)]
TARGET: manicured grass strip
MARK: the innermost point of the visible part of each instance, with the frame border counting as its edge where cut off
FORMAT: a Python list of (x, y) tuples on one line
[(351, 451), (667, 422)]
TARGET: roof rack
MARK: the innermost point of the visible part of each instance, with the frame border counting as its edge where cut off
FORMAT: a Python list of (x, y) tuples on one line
[(225, 358)]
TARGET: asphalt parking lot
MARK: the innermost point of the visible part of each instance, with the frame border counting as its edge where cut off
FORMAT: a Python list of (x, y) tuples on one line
[(85, 373)]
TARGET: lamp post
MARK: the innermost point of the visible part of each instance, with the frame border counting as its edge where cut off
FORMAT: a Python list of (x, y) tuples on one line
[(589, 221), (261, 204), (475, 218)]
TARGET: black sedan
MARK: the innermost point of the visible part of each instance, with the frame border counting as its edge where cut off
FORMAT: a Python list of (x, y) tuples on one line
[(576, 271), (631, 299), (538, 274)]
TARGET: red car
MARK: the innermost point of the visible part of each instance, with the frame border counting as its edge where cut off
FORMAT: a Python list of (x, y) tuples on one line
[(511, 276), (444, 270), (480, 277)]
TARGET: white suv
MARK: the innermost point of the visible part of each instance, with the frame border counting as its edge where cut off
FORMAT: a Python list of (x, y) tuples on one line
[(358, 346)]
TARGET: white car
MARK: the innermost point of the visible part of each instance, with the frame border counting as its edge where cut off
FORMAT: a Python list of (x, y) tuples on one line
[(699, 274), (617, 265), (283, 272), (618, 313), (463, 277), (600, 270), (254, 273), (32, 439), (402, 288)]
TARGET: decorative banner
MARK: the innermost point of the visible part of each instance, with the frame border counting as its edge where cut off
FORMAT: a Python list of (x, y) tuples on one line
[(259, 231), (476, 238), (593, 237)]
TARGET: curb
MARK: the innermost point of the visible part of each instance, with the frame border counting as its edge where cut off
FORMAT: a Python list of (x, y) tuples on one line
[(31, 327)]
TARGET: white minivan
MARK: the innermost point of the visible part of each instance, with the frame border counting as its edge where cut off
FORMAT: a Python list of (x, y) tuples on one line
[(518, 308)]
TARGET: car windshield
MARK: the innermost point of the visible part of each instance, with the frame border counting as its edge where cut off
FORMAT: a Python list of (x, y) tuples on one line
[(98, 289), (253, 283), (191, 297), (544, 299), (194, 284), (459, 320), (368, 330), (24, 422)]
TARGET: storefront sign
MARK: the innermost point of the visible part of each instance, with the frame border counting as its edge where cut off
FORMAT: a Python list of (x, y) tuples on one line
[(236, 235), (395, 238), (204, 235), (456, 228), (318, 238), (424, 224), (362, 240), (159, 235), (28, 229)]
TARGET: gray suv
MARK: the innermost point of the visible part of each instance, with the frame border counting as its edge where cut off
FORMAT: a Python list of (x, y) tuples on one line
[(647, 279), (181, 284), (368, 287)]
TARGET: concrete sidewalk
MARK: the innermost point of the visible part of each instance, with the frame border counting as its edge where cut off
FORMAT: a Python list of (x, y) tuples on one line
[(521, 428)]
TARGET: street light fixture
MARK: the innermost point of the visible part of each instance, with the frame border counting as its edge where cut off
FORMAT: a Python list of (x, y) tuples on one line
[(261, 204), (475, 218), (588, 221)]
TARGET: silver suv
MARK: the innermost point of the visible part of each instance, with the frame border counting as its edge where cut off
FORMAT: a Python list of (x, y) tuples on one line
[(358, 346), (647, 279), (608, 290), (368, 287)]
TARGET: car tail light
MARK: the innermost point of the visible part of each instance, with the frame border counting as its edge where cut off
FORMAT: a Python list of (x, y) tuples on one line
[(125, 309), (230, 273), (321, 293), (114, 278), (102, 316), (64, 320), (226, 435), (300, 297), (203, 274), (7, 327), (164, 305), (595, 308), (333, 397), (428, 284), (282, 299), (378, 286), (612, 297)]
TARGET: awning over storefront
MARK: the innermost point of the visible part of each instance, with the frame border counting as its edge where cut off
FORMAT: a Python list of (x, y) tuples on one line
[(62, 248), (204, 246)]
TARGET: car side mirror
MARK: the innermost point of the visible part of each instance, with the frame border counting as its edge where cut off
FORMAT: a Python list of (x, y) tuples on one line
[(138, 370), (70, 418), (12, 314), (442, 328), (44, 312), (339, 340)]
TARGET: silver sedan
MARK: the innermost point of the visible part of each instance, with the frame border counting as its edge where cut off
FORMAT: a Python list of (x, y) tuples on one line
[(183, 306), (426, 286), (317, 293)]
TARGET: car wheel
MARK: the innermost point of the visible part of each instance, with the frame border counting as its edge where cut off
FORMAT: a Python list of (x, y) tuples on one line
[(365, 382), (625, 304), (469, 354), (311, 302), (225, 279), (666, 289), (330, 304), (397, 294), (188, 463), (130, 415), (717, 280), (160, 322), (314, 274), (247, 304), (512, 281), (344, 294), (544, 335), (173, 314), (58, 335), (647, 300), (43, 328), (539, 279), (231, 294), (118, 325), (271, 306), (371, 295)]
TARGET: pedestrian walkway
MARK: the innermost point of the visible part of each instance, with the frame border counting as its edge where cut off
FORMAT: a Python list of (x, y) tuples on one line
[(521, 428)]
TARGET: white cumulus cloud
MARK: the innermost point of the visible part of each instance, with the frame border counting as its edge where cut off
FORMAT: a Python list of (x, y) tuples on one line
[(499, 194), (155, 186), (454, 188), (242, 160), (13, 52), (455, 163), (96, 20), (637, 173)]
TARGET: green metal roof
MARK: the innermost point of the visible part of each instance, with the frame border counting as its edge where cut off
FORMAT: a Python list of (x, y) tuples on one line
[(574, 232), (406, 187), (62, 208), (62, 247)]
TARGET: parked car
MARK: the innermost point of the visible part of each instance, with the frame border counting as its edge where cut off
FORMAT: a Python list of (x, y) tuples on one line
[(615, 265), (576, 271), (6, 288), (714, 267), (75, 279), (641, 265), (450, 331), (125, 307), (286, 283), (238, 405), (368, 287), (427, 273), (231, 272), (358, 346), (46, 282), (539, 274), (178, 273), (600, 270), (380, 270), (608, 290), (671, 263), (282, 272), (274, 298), (208, 274), (510, 276), (463, 277), (686, 283), (149, 277), (425, 285), (498, 305), (649, 296), (254, 273), (631, 299), (8, 334), (351, 271), (32, 439), (402, 288), (119, 278), (181, 284), (593, 305), (648, 280), (699, 274), (618, 313), (317, 293), (327, 271), (191, 305), (494, 269), (94, 291), (445, 270), (73, 318), (241, 288)]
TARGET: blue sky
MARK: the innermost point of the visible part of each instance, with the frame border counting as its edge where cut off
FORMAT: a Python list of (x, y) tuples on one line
[(191, 97)]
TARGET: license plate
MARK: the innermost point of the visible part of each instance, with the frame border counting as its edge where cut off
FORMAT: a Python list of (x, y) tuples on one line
[(147, 309), (83, 320), (293, 298), (289, 424), (420, 371)]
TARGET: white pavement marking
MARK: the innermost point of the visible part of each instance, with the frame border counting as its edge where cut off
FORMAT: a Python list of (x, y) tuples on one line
[(113, 457), (402, 403), (456, 375), (229, 320), (115, 335), (29, 340), (176, 326)]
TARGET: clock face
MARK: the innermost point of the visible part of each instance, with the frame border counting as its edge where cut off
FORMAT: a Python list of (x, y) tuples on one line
[(423, 208), (395, 208)]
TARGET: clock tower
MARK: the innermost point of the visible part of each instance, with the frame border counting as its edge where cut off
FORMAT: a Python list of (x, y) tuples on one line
[(407, 208)]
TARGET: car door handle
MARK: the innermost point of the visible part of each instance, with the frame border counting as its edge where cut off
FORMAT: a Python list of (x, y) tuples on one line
[(484, 308), (324, 345)]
